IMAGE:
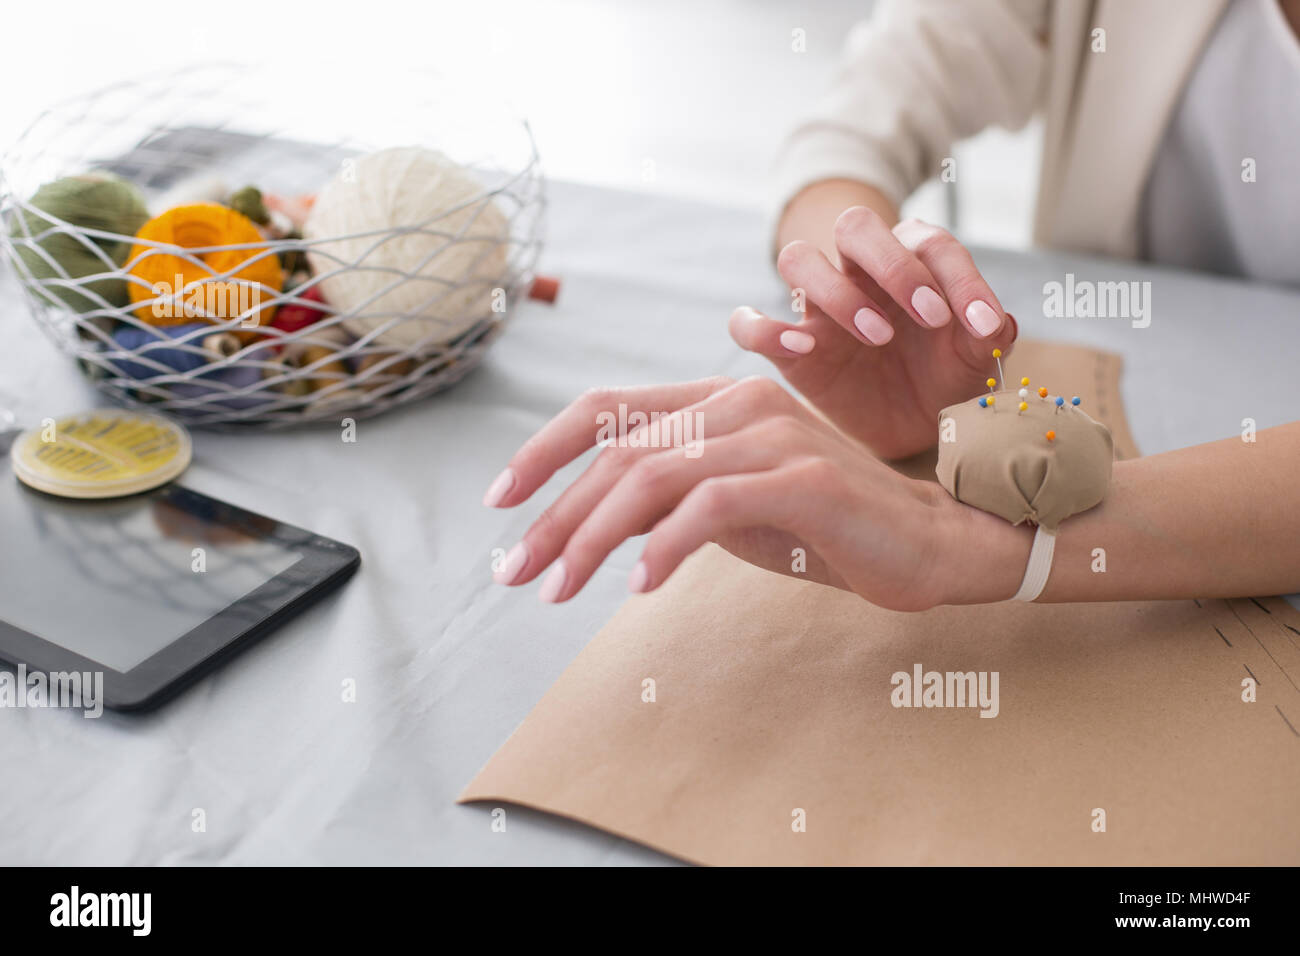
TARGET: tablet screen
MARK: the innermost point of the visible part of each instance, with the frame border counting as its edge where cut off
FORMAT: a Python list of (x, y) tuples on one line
[(117, 581)]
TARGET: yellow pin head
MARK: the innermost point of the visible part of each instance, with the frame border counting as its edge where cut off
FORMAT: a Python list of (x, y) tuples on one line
[(991, 382), (1024, 381), (992, 399), (997, 353), (1023, 406)]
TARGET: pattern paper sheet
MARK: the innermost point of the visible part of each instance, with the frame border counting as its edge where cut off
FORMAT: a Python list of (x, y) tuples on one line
[(1115, 733)]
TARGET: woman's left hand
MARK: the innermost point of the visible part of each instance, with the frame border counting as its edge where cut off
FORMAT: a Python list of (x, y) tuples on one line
[(748, 466)]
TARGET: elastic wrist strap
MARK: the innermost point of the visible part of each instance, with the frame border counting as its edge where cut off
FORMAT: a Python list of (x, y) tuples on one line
[(1039, 567)]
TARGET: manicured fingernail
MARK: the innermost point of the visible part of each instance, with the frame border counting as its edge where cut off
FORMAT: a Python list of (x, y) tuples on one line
[(930, 306), (515, 560), (982, 318), (499, 488), (554, 583), (796, 341), (873, 326), (639, 579)]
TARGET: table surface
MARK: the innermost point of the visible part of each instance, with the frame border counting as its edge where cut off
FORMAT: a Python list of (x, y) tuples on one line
[(446, 663)]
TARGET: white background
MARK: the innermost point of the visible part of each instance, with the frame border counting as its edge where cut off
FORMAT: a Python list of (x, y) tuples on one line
[(698, 92)]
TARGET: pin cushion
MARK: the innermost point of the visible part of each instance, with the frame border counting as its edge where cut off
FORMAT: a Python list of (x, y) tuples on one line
[(1027, 457)]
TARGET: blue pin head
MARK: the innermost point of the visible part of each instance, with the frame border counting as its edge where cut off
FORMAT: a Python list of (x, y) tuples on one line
[(984, 403), (1059, 401), (1075, 400)]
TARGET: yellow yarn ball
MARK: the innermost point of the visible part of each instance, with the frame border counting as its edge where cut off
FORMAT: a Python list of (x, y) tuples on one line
[(178, 291)]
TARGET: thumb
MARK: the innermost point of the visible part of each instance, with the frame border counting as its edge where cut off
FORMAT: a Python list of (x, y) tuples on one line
[(978, 351)]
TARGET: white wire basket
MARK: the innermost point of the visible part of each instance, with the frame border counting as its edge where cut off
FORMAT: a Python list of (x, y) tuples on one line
[(238, 127)]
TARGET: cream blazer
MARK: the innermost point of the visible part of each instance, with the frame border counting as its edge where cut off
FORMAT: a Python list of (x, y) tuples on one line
[(922, 74)]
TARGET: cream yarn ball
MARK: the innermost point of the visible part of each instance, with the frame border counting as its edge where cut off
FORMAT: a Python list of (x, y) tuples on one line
[(369, 201)]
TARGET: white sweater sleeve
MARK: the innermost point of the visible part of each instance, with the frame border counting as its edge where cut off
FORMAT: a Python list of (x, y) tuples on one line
[(915, 78)]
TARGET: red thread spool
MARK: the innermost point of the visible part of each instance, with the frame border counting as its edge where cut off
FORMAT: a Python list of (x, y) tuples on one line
[(297, 315), (544, 289)]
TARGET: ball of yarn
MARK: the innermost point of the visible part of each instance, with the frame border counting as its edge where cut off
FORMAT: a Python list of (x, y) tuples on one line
[(176, 289), (235, 386), (190, 355), (248, 202), (148, 343), (92, 201), (294, 316), (416, 214)]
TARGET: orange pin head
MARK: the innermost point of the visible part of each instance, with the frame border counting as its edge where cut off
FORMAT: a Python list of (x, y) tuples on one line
[(1042, 392), (1051, 436)]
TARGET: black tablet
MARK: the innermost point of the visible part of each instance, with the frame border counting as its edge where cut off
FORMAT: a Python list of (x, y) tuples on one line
[(150, 591)]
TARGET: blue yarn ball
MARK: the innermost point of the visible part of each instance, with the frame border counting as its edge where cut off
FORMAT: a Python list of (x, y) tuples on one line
[(147, 343), (130, 338)]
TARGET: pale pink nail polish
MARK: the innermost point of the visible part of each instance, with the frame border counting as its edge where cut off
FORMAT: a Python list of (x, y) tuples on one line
[(796, 341), (930, 306), (639, 579), (515, 560), (982, 318), (499, 488), (874, 326), (553, 586)]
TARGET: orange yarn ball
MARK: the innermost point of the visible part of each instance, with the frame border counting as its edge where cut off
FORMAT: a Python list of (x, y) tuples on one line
[(177, 290)]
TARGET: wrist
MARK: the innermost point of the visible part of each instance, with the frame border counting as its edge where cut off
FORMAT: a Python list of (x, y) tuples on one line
[(812, 212), (983, 558)]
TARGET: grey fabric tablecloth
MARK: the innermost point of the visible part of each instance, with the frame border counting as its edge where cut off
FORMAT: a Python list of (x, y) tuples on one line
[(446, 663)]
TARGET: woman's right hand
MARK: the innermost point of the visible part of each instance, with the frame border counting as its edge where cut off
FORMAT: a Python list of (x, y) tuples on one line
[(905, 327)]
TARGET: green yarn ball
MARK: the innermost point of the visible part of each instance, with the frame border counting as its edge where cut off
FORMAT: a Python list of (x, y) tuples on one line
[(88, 202), (248, 202)]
